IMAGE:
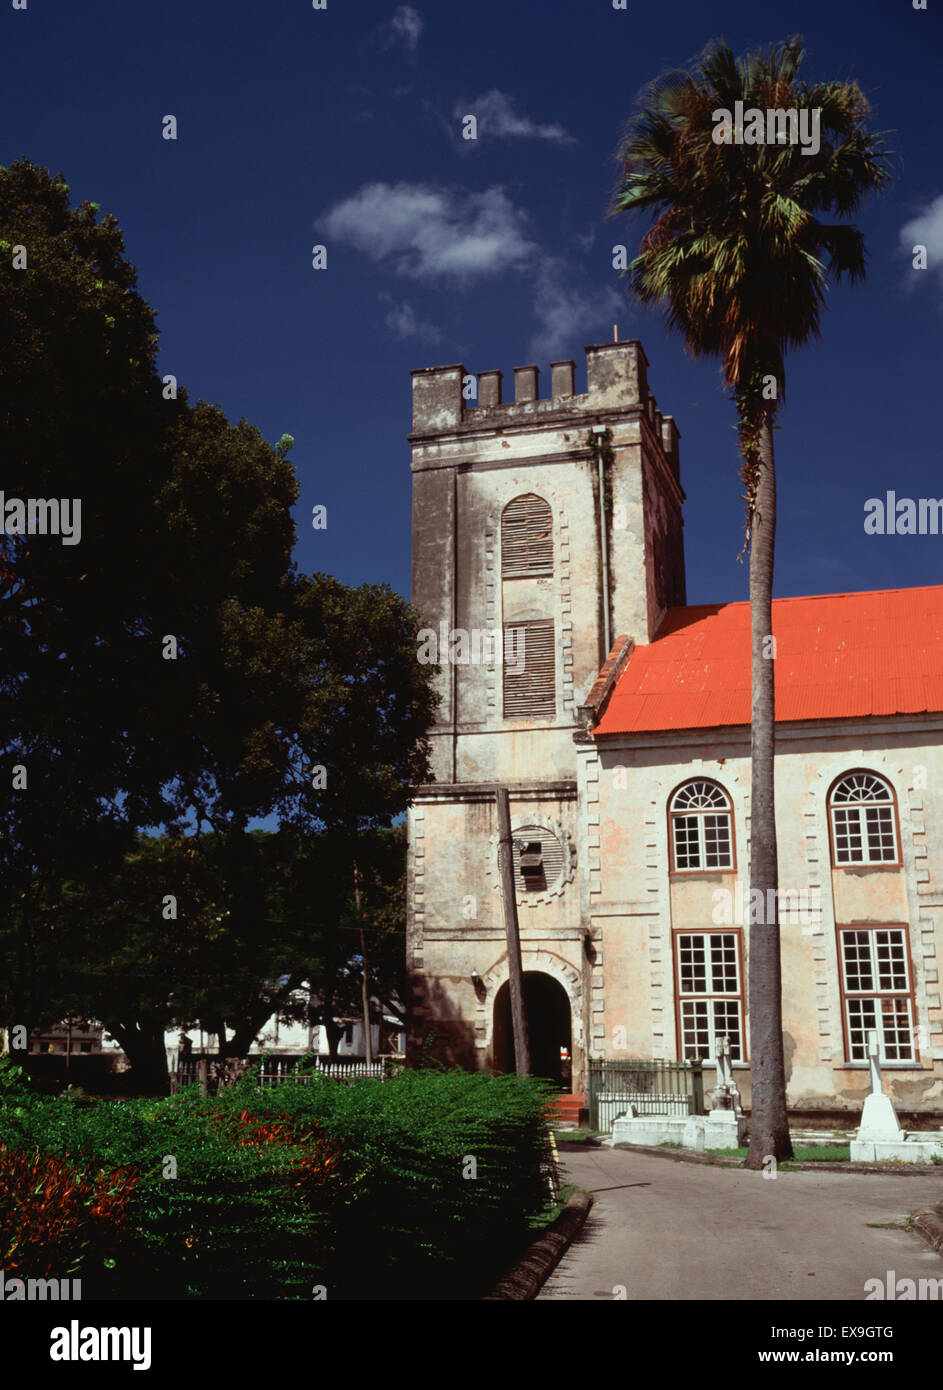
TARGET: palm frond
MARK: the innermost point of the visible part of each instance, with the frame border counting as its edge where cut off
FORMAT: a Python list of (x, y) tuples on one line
[(735, 250)]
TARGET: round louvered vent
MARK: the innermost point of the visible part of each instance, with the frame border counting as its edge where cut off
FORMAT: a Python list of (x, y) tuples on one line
[(539, 858)]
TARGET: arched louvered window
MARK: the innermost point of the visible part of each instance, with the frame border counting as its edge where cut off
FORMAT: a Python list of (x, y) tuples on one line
[(526, 537), (864, 824), (701, 827)]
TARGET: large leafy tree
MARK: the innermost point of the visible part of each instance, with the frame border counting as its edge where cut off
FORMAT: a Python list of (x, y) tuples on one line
[(360, 926), (740, 256), (186, 533), (221, 931), (172, 671)]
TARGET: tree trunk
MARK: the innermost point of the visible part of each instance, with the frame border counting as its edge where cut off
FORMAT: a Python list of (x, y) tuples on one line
[(367, 1035), (769, 1127), (143, 1045), (334, 1034)]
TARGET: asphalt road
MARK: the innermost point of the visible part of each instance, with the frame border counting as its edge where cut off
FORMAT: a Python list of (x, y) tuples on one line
[(668, 1230)]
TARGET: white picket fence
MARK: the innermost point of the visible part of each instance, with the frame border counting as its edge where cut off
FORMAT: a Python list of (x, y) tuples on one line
[(275, 1070)]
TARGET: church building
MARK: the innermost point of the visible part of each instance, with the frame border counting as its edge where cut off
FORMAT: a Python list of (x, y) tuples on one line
[(548, 567)]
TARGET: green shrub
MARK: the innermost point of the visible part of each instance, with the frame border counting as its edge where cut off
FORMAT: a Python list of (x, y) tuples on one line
[(415, 1222), (239, 1220), (422, 1186)]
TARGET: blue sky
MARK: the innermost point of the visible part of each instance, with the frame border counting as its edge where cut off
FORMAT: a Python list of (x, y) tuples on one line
[(342, 126)]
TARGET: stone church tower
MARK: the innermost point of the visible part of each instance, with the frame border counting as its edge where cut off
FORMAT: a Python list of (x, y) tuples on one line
[(543, 529)]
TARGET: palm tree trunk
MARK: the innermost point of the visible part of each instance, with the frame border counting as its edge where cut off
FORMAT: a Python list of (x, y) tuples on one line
[(769, 1126)]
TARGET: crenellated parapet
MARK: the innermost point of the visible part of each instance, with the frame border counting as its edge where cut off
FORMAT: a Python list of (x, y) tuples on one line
[(450, 399)]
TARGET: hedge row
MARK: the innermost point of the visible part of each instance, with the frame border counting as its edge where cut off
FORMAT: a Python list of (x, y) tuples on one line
[(422, 1186)]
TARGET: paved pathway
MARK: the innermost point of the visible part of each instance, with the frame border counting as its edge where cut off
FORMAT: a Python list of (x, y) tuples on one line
[(670, 1230)]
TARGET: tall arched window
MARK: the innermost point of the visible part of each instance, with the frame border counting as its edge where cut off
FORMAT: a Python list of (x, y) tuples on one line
[(526, 537), (701, 827), (863, 820)]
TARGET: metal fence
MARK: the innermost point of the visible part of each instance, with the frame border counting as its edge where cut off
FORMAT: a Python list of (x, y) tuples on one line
[(654, 1087), (199, 1068), (276, 1069)]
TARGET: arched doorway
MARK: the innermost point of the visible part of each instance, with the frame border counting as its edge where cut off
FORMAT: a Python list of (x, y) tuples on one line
[(549, 1024)]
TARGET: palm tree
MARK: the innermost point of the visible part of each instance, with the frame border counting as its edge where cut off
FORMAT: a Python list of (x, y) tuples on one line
[(739, 258)]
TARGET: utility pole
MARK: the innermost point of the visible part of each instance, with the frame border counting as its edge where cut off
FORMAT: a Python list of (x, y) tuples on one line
[(367, 1040), (515, 968)]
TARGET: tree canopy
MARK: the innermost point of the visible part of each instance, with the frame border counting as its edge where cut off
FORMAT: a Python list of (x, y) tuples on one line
[(171, 672), (737, 249)]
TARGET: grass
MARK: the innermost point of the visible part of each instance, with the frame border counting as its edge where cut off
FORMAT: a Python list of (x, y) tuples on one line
[(573, 1136), (803, 1153), (823, 1153), (547, 1218)]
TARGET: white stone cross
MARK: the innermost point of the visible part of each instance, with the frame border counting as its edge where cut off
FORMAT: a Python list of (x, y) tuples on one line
[(874, 1055)]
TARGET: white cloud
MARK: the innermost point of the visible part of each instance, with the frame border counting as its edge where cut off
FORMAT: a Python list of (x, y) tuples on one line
[(428, 232), (402, 322), (926, 229), (566, 314), (496, 116), (405, 27)]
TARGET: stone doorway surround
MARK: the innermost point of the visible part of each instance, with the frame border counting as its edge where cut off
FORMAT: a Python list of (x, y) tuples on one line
[(542, 961)]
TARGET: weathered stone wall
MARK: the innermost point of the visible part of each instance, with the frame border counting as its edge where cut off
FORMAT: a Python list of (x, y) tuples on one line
[(468, 464), (457, 928), (634, 903), (469, 461)]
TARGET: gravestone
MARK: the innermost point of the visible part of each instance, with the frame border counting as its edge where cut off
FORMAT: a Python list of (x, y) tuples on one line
[(879, 1122), (725, 1095), (725, 1126)]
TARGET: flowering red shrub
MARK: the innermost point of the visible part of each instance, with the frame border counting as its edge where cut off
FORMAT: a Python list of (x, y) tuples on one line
[(320, 1168), (52, 1213), (250, 1129), (321, 1163)]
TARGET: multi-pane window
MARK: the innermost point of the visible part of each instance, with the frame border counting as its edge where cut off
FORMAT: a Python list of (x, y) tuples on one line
[(876, 991), (526, 537), (530, 690), (710, 993), (864, 829), (701, 827)]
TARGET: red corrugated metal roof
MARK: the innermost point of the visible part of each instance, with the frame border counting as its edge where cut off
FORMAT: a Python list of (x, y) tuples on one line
[(837, 655)]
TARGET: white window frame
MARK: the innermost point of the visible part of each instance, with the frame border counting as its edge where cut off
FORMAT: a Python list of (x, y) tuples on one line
[(699, 815), (717, 1019), (858, 823), (882, 1019)]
